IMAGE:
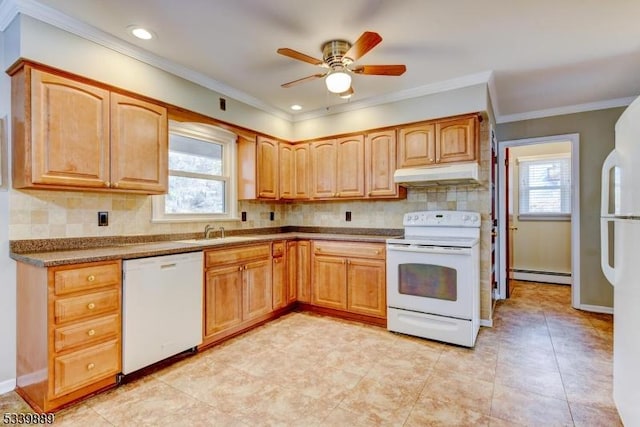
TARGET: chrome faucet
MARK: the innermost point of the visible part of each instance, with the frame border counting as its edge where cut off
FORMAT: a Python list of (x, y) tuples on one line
[(207, 231), (222, 232)]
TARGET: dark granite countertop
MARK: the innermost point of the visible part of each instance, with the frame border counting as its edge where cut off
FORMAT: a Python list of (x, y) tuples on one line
[(52, 252)]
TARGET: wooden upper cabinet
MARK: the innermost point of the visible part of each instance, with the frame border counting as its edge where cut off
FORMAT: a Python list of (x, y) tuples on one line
[(247, 167), (286, 171), (417, 145), (139, 144), (380, 164), (323, 169), (301, 163), (350, 172), (267, 168), (69, 140), (457, 140), (72, 134)]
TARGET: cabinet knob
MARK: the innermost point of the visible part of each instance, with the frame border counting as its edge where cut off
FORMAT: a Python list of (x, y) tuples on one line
[(107, 184), (90, 366), (240, 268), (336, 194), (245, 267), (91, 278), (91, 332), (91, 306), (114, 185), (275, 260)]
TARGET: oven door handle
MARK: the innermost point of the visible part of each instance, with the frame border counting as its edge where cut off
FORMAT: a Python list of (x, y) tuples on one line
[(428, 249)]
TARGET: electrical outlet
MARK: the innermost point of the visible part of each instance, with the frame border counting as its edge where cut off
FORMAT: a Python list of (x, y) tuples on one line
[(243, 216), (347, 216), (103, 219), (223, 104), (272, 216)]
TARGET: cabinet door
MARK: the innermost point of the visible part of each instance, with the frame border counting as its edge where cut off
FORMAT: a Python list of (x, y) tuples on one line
[(139, 145), (267, 168), (292, 272), (416, 146), (247, 189), (301, 171), (223, 298), (366, 280), (279, 282), (456, 140), (350, 173), (323, 169), (286, 171), (303, 270), (328, 283), (380, 163), (69, 132), (256, 280)]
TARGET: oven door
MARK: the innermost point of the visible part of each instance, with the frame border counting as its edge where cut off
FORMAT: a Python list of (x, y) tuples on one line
[(433, 280)]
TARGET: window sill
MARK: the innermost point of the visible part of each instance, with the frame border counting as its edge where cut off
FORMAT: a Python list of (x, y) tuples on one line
[(192, 218)]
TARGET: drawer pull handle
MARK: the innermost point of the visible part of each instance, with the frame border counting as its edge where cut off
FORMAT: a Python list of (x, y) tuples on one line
[(91, 278), (91, 332), (90, 366), (91, 306)]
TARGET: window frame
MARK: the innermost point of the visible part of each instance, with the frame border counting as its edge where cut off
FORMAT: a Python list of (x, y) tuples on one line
[(215, 135), (542, 216)]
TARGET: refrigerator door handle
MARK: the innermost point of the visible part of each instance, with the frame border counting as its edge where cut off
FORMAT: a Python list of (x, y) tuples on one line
[(609, 272), (612, 160)]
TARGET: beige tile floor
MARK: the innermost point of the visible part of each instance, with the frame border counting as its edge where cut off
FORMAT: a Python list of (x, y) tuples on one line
[(543, 364)]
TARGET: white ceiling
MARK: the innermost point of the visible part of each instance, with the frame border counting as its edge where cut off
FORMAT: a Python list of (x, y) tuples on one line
[(540, 57)]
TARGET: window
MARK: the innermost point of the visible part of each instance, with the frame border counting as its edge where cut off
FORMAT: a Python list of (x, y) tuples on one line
[(202, 183), (545, 186)]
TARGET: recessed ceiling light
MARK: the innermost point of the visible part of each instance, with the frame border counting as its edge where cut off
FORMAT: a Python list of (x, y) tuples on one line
[(140, 32), (296, 107)]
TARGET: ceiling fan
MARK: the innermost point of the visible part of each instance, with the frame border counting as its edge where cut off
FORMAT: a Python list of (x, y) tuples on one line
[(338, 57)]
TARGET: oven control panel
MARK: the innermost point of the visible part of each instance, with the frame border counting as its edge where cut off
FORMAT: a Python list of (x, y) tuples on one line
[(442, 218)]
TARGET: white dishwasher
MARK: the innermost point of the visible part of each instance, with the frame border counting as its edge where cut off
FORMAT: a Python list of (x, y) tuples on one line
[(161, 308)]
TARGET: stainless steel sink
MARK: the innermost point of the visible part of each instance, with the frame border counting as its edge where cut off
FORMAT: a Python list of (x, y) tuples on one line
[(216, 241)]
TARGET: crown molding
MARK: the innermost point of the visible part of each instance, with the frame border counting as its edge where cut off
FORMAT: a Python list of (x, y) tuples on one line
[(443, 86), (10, 8), (569, 109), (8, 11)]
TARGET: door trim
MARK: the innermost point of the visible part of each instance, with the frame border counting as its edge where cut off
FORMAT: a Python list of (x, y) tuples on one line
[(574, 139)]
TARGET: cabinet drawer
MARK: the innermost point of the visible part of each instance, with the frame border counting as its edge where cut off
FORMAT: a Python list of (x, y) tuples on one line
[(81, 368), (349, 249), (91, 304), (86, 333), (277, 249), (236, 255), (89, 277)]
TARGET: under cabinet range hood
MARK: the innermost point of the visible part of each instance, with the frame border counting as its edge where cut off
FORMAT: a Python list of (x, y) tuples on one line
[(454, 174)]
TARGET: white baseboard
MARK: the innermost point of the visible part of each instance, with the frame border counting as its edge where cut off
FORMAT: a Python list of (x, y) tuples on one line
[(486, 322), (596, 308), (7, 386), (541, 277)]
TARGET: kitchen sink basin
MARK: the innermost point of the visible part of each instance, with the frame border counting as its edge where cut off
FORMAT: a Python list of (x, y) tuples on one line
[(217, 240)]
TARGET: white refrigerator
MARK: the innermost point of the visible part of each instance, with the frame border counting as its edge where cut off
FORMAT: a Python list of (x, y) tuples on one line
[(620, 259)]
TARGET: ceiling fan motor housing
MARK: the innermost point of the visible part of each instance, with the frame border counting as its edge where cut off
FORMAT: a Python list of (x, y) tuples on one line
[(333, 54)]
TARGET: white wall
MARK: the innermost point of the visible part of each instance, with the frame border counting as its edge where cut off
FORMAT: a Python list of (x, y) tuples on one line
[(469, 99), (49, 45), (7, 266)]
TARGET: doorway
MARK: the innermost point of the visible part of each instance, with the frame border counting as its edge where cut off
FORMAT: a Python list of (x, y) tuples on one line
[(509, 223)]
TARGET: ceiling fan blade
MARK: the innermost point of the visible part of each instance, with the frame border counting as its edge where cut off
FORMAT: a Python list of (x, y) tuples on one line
[(304, 79), (381, 70), (299, 56), (367, 41)]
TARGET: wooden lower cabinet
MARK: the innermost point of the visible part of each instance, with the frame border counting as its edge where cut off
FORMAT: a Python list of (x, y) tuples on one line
[(349, 276), (237, 289), (280, 275), (302, 270), (68, 331)]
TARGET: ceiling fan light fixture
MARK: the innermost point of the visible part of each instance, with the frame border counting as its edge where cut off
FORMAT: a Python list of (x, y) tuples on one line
[(338, 81)]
